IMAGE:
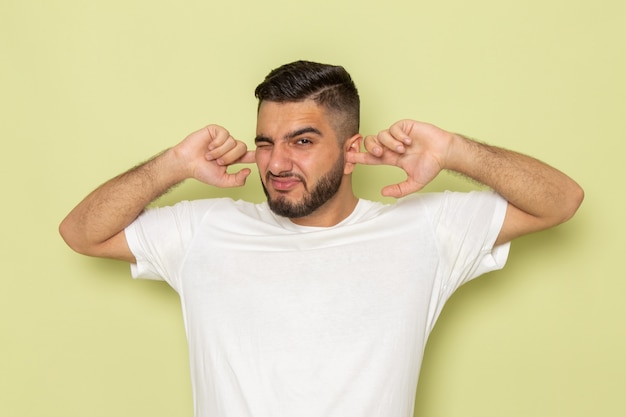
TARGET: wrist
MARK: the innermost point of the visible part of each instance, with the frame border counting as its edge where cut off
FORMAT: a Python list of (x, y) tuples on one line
[(456, 152), (172, 166)]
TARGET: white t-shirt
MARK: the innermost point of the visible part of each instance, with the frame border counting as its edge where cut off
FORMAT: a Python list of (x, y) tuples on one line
[(285, 320)]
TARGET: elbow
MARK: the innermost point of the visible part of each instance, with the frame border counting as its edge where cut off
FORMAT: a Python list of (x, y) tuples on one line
[(78, 238), (65, 230), (70, 235), (572, 202)]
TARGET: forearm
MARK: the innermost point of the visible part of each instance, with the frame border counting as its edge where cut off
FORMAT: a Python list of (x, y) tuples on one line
[(530, 185), (106, 211)]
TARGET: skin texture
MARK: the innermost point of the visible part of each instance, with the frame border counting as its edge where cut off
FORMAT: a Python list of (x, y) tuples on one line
[(301, 163), (539, 196), (298, 152), (95, 227)]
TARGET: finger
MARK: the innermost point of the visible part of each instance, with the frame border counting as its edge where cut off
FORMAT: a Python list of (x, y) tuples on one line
[(400, 131), (401, 189), (364, 158), (218, 135), (231, 152), (239, 178), (235, 179), (372, 145), (247, 158), (218, 152), (391, 141)]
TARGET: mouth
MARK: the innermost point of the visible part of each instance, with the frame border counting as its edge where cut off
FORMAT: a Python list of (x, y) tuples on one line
[(285, 182)]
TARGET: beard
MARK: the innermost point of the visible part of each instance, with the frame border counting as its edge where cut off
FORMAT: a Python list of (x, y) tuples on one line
[(324, 190)]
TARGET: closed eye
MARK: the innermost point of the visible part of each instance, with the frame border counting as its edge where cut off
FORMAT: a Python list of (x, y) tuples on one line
[(261, 142)]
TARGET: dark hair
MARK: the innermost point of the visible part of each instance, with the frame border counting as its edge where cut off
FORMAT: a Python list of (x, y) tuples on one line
[(329, 86)]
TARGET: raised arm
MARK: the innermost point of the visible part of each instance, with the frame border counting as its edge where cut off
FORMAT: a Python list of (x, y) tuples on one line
[(539, 196), (96, 225)]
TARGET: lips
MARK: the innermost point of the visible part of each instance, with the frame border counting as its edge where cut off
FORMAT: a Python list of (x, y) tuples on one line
[(284, 183)]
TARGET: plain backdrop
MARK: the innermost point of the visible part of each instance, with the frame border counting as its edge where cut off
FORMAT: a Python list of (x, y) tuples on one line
[(89, 88)]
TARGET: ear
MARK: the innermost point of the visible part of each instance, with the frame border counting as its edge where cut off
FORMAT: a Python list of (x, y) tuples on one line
[(352, 145)]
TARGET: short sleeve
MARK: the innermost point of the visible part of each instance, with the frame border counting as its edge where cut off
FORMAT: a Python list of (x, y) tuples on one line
[(466, 226), (159, 238)]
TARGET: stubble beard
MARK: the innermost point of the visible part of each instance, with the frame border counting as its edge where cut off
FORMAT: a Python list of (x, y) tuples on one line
[(324, 190)]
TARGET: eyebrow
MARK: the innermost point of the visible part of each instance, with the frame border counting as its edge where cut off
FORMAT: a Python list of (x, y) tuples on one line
[(302, 131), (290, 135)]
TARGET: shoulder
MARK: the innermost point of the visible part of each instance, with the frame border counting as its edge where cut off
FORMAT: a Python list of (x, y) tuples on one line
[(193, 212), (451, 206), (204, 205), (451, 198)]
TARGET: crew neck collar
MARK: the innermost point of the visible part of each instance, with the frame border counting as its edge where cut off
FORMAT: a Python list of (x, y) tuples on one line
[(290, 225)]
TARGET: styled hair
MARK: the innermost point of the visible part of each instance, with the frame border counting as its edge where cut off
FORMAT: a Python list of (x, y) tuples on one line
[(330, 86)]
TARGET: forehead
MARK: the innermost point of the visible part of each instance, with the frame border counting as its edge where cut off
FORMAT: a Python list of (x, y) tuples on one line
[(278, 119)]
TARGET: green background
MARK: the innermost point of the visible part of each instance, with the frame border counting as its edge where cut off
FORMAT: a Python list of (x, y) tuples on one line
[(90, 88)]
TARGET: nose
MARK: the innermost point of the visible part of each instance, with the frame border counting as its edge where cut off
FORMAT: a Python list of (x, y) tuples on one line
[(280, 160)]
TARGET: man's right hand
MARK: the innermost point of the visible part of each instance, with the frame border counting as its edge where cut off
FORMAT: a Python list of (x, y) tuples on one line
[(96, 225), (206, 153)]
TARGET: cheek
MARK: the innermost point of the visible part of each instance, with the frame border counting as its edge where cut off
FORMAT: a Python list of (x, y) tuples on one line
[(318, 167), (261, 160), (310, 167)]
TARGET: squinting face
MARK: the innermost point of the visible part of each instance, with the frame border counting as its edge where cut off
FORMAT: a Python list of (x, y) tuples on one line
[(299, 157)]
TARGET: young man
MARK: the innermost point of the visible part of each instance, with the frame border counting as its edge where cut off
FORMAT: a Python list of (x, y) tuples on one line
[(316, 303)]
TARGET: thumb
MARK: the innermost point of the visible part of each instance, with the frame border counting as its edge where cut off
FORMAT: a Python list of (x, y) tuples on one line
[(239, 178), (401, 189)]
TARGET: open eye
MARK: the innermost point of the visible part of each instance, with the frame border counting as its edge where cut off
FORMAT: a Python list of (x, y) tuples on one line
[(304, 141)]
